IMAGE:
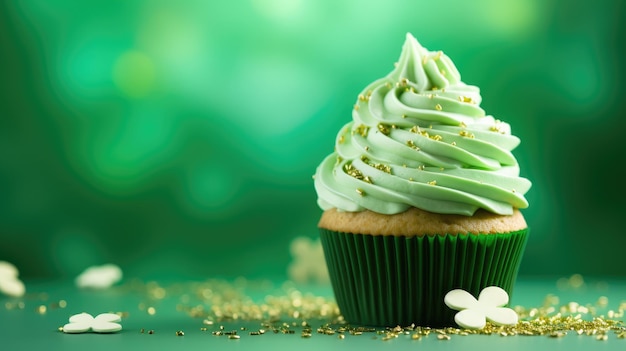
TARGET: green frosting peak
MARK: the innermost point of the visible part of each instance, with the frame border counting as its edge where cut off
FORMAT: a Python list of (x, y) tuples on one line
[(418, 137)]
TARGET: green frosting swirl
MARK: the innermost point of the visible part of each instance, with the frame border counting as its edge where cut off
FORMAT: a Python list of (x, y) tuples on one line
[(419, 138)]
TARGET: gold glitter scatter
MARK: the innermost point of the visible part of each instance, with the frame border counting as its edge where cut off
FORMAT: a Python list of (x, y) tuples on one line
[(341, 336), (150, 331), (151, 311), (234, 337), (432, 182), (180, 333), (60, 329), (360, 192), (342, 139), (379, 166), (42, 309), (453, 143), (438, 107)]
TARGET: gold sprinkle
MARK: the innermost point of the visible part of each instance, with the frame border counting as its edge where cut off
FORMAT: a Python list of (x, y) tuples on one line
[(61, 330), (466, 134), (602, 337), (432, 182), (462, 125), (150, 331), (42, 309), (557, 334), (436, 137), (362, 130), (438, 107), (356, 107), (341, 336), (415, 336), (180, 333), (453, 143), (383, 128), (203, 329), (341, 139), (443, 337), (466, 99), (151, 311), (360, 192), (412, 145)]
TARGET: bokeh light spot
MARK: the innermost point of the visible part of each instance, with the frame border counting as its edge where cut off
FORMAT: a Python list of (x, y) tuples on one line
[(134, 74), (279, 96), (73, 250), (212, 186), (122, 157), (511, 17), (279, 9)]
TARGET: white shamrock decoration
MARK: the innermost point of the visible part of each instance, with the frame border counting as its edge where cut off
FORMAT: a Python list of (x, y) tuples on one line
[(474, 314), (308, 262), (10, 284), (99, 277), (84, 322)]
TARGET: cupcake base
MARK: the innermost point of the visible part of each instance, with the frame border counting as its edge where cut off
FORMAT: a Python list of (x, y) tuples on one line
[(386, 280)]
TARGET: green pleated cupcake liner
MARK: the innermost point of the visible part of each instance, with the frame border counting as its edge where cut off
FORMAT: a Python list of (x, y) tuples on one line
[(397, 280)]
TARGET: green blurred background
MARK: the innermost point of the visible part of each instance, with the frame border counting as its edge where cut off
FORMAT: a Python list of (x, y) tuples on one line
[(178, 138)]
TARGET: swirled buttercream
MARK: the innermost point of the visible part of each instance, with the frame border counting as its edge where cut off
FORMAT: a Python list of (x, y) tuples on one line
[(419, 138)]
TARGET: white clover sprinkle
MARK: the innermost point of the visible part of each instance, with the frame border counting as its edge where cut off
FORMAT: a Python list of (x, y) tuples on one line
[(308, 263), (99, 277), (84, 322), (10, 284), (474, 314)]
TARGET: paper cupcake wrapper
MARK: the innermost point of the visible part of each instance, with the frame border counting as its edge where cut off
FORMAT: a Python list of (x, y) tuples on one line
[(396, 280)]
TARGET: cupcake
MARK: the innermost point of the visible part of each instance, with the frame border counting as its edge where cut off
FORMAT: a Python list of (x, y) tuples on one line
[(421, 196)]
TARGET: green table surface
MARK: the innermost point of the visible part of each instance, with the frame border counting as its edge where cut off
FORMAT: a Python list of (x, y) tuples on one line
[(32, 322)]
